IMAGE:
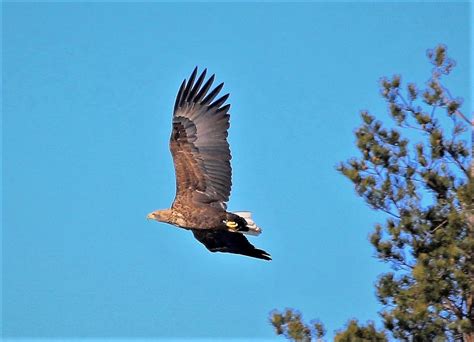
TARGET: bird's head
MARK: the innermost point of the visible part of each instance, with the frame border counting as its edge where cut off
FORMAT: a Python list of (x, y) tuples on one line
[(160, 215)]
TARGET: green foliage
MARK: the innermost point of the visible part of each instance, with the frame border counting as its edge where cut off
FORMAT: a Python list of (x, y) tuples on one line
[(291, 325), (356, 333), (426, 189)]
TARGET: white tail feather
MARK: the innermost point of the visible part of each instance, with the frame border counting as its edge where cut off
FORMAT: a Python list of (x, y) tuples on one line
[(253, 228)]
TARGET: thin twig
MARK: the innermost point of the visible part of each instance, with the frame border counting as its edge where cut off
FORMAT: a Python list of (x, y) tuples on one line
[(439, 226), (462, 116)]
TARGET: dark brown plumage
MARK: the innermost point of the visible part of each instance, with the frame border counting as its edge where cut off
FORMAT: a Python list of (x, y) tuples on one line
[(201, 158)]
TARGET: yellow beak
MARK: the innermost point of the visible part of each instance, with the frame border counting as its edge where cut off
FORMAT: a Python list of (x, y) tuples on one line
[(150, 217)]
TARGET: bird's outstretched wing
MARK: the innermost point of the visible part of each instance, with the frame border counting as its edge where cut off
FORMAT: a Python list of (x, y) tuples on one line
[(199, 144), (219, 240)]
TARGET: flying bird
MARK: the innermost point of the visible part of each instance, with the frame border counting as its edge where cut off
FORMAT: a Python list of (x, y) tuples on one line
[(201, 157)]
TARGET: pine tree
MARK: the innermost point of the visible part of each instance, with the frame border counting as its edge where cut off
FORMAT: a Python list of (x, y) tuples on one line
[(425, 186), (418, 172)]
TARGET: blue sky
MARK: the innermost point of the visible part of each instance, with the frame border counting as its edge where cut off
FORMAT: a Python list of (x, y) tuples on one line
[(87, 96)]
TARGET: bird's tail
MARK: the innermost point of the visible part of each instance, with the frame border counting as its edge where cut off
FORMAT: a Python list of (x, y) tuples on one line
[(253, 229)]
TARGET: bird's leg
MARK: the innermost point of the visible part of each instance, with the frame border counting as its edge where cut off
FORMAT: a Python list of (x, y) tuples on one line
[(235, 223), (231, 224)]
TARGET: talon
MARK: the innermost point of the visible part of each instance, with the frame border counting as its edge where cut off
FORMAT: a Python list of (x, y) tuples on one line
[(231, 224)]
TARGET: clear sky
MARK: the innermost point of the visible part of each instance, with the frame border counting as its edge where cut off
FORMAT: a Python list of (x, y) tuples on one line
[(88, 91)]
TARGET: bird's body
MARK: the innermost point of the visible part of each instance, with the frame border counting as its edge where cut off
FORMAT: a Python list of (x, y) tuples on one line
[(201, 156), (196, 217)]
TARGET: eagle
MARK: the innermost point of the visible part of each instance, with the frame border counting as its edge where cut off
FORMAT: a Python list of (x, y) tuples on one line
[(201, 158)]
